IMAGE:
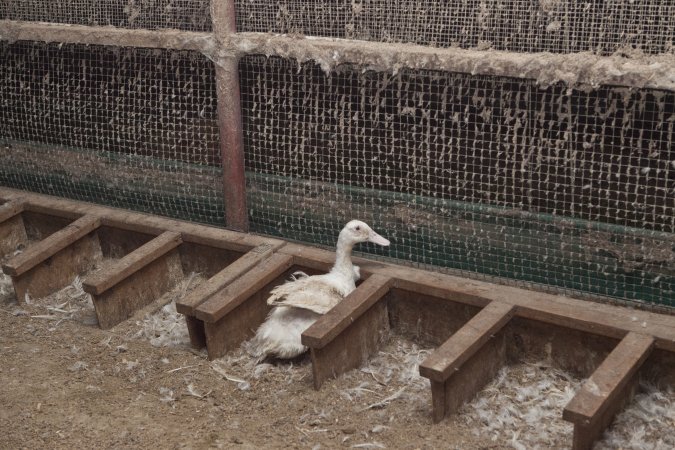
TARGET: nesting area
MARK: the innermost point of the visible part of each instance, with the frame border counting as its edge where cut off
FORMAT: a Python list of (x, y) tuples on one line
[(407, 348), (183, 183)]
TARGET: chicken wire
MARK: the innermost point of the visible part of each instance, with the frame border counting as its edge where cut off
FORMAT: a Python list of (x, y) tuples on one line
[(561, 26), (191, 15), (490, 176), (132, 128)]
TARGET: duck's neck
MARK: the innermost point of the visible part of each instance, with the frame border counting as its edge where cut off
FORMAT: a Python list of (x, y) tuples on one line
[(343, 258)]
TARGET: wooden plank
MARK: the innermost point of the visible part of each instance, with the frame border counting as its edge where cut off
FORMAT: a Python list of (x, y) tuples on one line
[(59, 270), (462, 345), (139, 289), (10, 209), (240, 324), (139, 222), (463, 384), (345, 313), (351, 348), (100, 282), (603, 395), (196, 332), (223, 278), (48, 247), (223, 302), (602, 319)]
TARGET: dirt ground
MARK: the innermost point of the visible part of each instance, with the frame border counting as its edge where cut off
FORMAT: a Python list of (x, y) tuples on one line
[(67, 384)]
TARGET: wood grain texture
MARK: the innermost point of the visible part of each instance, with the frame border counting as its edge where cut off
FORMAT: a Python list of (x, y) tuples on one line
[(138, 290), (100, 282), (346, 312), (233, 295), (225, 277), (353, 346), (466, 342), (48, 247)]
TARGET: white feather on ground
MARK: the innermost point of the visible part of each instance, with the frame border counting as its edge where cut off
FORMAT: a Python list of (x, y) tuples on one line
[(647, 423), (6, 288), (69, 303), (522, 407), (166, 327)]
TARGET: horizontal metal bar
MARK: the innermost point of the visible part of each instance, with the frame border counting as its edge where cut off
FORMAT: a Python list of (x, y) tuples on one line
[(12, 30), (546, 68), (647, 71)]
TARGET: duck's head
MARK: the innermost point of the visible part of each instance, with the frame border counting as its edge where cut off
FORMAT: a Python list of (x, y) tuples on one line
[(357, 231)]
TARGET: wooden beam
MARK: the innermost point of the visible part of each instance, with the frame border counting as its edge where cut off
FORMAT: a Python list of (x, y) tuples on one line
[(351, 348), (48, 247), (230, 119), (352, 331), (139, 222), (12, 30), (608, 390), (223, 278), (345, 313), (462, 345), (100, 282), (224, 302), (468, 360), (137, 280)]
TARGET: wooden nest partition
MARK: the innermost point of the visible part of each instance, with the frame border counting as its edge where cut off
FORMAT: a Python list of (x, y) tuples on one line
[(477, 327)]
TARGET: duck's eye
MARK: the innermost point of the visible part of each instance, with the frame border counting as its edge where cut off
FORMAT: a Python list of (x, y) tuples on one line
[(358, 228)]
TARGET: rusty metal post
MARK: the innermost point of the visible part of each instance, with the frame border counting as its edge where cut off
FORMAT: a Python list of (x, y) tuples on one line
[(230, 119)]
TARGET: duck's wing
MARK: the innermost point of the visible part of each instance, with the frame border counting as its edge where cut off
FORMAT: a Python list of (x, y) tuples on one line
[(308, 293)]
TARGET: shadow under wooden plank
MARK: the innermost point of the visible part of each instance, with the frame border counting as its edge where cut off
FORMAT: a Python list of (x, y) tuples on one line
[(350, 332), (468, 360), (135, 280), (52, 263), (608, 390)]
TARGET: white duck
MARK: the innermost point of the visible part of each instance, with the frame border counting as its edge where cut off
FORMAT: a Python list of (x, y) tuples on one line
[(299, 303)]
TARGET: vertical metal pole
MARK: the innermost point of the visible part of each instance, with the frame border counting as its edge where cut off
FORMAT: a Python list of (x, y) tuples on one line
[(230, 120)]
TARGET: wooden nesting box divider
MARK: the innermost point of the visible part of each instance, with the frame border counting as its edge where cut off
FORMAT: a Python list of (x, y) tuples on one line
[(472, 326), (187, 305), (608, 390), (231, 315), (53, 262), (138, 279), (348, 334), (468, 360)]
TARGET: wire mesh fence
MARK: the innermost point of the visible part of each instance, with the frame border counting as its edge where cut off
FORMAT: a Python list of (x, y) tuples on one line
[(486, 175), (133, 128), (561, 26), (191, 15), (569, 189)]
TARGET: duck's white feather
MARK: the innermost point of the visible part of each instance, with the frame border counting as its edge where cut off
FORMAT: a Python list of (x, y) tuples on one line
[(318, 293), (280, 334)]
